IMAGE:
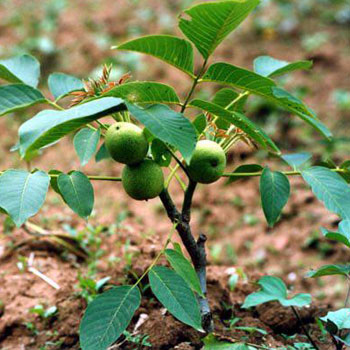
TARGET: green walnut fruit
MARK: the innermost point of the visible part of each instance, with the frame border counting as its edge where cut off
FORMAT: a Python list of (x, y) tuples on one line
[(144, 180), (208, 162), (126, 143)]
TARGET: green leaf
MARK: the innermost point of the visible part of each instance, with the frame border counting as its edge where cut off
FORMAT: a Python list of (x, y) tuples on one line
[(274, 289), (200, 123), (241, 78), (85, 144), (211, 22), (238, 120), (173, 292), (22, 193), (246, 168), (271, 67), (77, 192), (329, 270), (341, 318), (53, 179), (169, 126), (160, 153), (107, 317), (61, 84), (295, 160), (225, 98), (184, 269), (274, 191), (145, 92), (102, 153), (330, 188), (343, 236), (175, 51), (18, 96), (21, 69), (49, 126)]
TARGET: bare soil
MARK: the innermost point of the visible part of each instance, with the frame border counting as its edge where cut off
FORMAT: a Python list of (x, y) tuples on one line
[(230, 215)]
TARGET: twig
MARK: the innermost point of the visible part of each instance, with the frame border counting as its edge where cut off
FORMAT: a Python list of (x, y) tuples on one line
[(36, 272), (178, 161), (195, 82), (304, 328)]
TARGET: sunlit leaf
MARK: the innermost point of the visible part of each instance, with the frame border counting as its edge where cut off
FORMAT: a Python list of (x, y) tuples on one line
[(20, 69), (61, 84), (174, 293), (22, 193), (184, 268), (271, 67), (175, 51), (239, 120), (145, 92), (14, 97), (241, 78), (210, 23), (85, 144), (274, 289), (49, 126), (330, 188), (167, 125), (107, 317)]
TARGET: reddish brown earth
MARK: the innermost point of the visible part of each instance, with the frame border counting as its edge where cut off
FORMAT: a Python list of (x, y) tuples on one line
[(230, 215)]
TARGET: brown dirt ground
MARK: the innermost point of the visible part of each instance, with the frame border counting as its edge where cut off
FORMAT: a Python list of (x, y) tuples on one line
[(230, 215)]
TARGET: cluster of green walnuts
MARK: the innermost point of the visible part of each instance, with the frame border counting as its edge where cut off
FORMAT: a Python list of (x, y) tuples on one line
[(142, 177)]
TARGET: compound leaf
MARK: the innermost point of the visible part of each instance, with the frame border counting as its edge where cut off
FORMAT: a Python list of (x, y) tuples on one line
[(271, 67), (167, 125), (241, 78), (21, 69), (77, 192), (330, 188), (274, 289), (145, 92), (211, 22), (49, 126), (85, 144), (175, 51), (14, 97), (107, 317), (176, 296), (22, 193), (184, 268), (239, 120), (274, 191), (61, 84)]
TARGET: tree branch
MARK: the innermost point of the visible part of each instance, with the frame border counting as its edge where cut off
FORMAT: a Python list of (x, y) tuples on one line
[(187, 203), (195, 249)]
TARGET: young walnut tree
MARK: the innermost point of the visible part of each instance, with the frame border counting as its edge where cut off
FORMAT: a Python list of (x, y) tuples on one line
[(149, 129)]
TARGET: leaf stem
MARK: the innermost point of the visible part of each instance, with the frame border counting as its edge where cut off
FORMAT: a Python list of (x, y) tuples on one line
[(195, 82), (287, 173), (150, 267), (303, 328)]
